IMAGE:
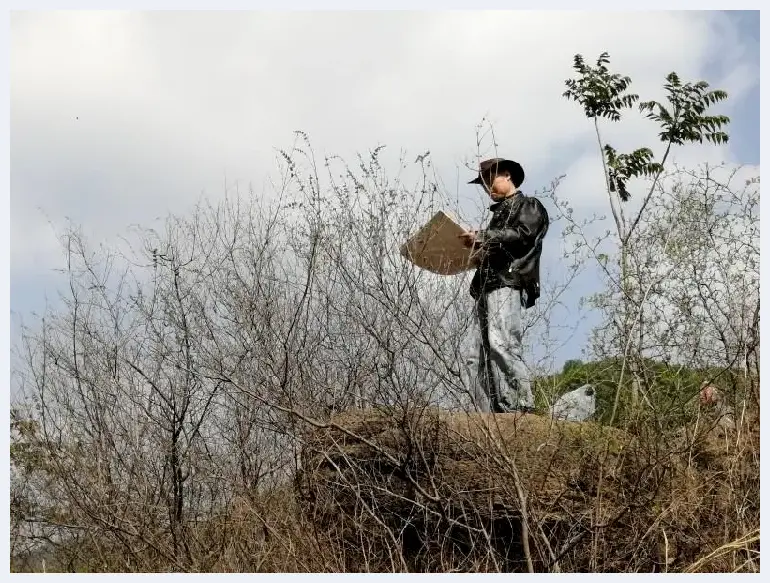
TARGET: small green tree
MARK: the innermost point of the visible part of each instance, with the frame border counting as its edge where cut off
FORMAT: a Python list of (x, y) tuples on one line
[(683, 118)]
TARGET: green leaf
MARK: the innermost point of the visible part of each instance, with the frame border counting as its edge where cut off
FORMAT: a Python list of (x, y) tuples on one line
[(599, 92)]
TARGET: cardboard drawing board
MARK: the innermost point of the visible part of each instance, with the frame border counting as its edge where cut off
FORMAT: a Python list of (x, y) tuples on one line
[(436, 247)]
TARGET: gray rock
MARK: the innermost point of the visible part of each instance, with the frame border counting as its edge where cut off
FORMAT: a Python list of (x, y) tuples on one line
[(577, 405)]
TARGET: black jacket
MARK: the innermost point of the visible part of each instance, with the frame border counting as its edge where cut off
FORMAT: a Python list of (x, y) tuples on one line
[(510, 248)]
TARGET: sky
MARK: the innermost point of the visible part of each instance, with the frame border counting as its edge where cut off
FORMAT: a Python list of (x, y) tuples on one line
[(119, 118)]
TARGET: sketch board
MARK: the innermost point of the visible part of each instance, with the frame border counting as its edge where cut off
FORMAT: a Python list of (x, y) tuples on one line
[(437, 247)]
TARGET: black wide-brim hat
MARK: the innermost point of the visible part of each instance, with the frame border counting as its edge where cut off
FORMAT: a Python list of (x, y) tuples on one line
[(500, 165)]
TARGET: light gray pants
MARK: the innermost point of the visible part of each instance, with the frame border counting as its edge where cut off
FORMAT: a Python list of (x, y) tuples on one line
[(494, 369)]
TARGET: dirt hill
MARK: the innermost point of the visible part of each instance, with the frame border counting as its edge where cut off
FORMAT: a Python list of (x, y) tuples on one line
[(435, 491)]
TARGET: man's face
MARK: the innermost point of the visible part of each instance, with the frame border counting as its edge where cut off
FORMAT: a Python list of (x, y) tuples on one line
[(498, 185)]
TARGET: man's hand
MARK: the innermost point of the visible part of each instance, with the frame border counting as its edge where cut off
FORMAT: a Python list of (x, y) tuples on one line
[(468, 238)]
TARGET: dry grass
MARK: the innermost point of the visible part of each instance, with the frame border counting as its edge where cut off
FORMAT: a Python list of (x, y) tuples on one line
[(449, 492), (430, 491)]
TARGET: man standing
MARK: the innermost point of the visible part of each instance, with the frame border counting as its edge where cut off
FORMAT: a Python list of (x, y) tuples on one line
[(507, 279)]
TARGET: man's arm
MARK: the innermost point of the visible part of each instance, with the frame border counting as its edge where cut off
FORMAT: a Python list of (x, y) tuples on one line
[(532, 217)]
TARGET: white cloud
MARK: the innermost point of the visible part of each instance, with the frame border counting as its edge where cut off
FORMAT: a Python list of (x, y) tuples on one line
[(169, 104)]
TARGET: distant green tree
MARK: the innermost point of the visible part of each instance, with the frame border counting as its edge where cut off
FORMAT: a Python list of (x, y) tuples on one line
[(571, 364)]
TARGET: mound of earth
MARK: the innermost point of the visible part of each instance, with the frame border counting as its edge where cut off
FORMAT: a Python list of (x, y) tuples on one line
[(430, 490)]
